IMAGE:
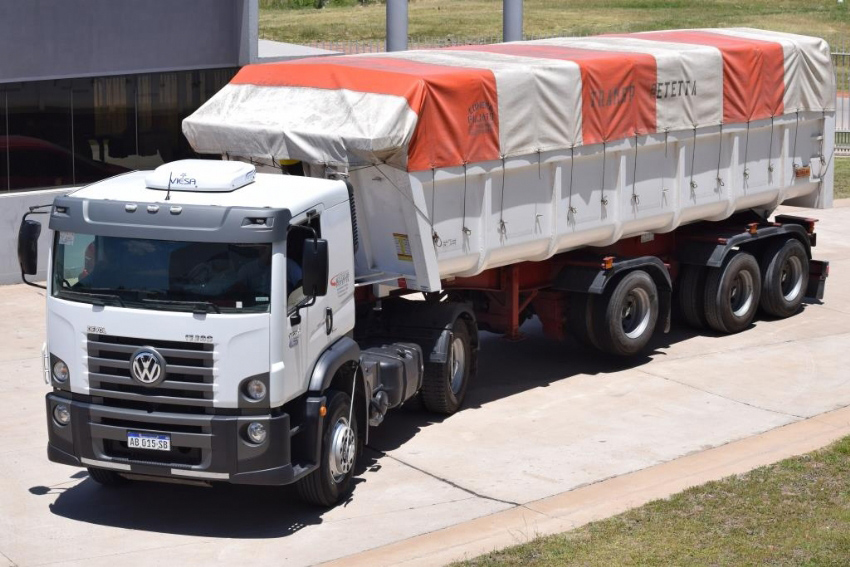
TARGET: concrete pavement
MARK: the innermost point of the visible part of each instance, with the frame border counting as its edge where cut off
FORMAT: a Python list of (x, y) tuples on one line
[(542, 419)]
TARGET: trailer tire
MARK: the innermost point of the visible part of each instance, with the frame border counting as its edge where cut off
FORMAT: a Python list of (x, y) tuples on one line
[(625, 315), (106, 477), (784, 270), (444, 384), (732, 293), (580, 319), (331, 482), (692, 295)]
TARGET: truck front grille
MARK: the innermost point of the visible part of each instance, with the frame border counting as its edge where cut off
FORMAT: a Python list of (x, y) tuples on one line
[(188, 381)]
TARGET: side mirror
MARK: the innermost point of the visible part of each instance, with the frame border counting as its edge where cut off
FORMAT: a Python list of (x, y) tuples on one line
[(314, 271), (28, 246)]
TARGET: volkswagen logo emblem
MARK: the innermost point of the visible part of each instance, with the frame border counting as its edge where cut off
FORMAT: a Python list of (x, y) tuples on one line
[(147, 367)]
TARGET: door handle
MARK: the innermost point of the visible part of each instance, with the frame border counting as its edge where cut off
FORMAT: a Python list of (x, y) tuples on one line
[(329, 320)]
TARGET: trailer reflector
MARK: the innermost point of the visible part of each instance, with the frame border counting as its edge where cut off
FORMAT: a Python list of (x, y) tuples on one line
[(802, 171)]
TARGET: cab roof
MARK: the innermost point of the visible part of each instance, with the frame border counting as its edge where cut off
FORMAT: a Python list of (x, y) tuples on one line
[(267, 190)]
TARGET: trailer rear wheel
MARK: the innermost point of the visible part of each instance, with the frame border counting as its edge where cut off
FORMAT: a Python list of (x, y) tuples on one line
[(444, 384), (625, 315), (332, 480), (732, 293), (785, 268), (692, 295), (106, 478)]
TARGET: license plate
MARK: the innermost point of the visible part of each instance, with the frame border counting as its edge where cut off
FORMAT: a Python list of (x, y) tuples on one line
[(150, 441)]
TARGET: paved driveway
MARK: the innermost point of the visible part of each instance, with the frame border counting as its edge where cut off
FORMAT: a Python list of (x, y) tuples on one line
[(543, 418)]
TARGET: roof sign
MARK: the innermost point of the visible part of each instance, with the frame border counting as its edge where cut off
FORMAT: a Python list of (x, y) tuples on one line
[(201, 175)]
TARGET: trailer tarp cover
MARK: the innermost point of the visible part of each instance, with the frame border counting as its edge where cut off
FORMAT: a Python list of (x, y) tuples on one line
[(426, 109)]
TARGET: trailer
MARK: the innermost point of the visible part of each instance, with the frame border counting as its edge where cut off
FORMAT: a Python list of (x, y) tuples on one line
[(373, 212)]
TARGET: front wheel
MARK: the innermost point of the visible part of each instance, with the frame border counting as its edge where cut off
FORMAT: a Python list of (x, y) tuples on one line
[(444, 384), (331, 482), (106, 478)]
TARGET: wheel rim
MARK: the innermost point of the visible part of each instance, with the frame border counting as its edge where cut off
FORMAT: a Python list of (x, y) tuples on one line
[(791, 278), (457, 364), (741, 293), (343, 450), (635, 314)]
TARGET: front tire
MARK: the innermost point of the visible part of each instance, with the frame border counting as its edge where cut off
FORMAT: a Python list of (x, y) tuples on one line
[(732, 293), (106, 477), (444, 384), (625, 315), (785, 269), (331, 482)]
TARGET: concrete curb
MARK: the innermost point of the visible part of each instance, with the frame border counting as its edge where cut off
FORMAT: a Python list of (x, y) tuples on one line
[(606, 498)]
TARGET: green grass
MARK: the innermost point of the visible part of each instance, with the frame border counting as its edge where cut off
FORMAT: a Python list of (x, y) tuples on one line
[(298, 21), (842, 177), (796, 512)]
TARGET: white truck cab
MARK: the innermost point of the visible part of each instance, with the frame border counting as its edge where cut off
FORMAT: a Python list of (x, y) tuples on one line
[(188, 312)]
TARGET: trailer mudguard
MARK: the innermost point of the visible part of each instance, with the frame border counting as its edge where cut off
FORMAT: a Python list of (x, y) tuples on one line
[(713, 253), (594, 279)]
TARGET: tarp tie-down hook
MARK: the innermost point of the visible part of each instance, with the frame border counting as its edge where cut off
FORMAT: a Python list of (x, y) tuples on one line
[(746, 152), (502, 224), (465, 230), (571, 210), (770, 150), (796, 131), (635, 197), (693, 183), (604, 199), (719, 156), (434, 236)]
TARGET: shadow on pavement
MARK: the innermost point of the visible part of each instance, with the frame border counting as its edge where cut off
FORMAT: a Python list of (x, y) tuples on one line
[(224, 511), (506, 368)]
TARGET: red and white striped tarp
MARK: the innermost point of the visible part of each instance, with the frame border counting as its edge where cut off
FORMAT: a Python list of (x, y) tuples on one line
[(426, 109)]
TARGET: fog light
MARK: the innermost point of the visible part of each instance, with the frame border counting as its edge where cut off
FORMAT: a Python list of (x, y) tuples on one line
[(256, 432), (62, 414), (255, 389), (60, 371)]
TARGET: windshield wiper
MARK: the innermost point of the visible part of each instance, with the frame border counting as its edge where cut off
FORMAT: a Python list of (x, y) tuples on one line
[(95, 298), (197, 306)]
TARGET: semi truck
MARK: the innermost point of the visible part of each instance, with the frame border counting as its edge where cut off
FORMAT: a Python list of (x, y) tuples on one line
[(250, 319)]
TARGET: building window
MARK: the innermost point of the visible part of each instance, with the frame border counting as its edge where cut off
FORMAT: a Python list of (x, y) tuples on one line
[(77, 131)]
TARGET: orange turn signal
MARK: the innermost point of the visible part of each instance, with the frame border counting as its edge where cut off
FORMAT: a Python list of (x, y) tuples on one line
[(323, 411)]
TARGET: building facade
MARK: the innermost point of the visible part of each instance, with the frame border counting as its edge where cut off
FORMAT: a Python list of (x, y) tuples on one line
[(92, 88)]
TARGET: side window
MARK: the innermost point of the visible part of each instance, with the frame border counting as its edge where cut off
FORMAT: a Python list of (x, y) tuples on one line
[(295, 237), (77, 255)]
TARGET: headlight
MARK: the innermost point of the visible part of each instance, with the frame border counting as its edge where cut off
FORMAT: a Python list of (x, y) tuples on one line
[(60, 371), (256, 432), (62, 414), (255, 389)]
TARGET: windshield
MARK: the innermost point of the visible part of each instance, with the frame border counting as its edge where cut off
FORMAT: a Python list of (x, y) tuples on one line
[(162, 274)]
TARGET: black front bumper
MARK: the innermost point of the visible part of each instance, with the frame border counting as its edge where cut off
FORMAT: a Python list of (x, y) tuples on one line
[(205, 447)]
